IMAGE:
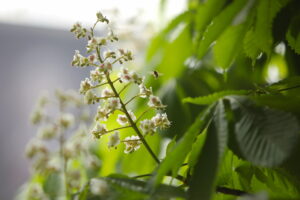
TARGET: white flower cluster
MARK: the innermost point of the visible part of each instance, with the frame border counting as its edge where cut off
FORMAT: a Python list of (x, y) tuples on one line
[(109, 97)]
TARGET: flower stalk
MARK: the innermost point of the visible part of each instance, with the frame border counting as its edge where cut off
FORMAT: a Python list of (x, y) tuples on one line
[(110, 99)]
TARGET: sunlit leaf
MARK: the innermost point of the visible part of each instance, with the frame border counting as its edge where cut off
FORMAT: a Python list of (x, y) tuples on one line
[(218, 25), (209, 99)]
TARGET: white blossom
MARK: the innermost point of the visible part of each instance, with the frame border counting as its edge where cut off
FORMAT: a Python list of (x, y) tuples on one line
[(136, 78), (37, 115), (70, 149), (109, 54), (98, 187), (147, 126), (34, 147), (85, 85), (113, 104), (78, 30), (123, 120), (106, 92), (132, 143), (161, 121), (96, 75), (145, 92), (111, 36), (92, 161), (155, 101), (114, 139), (102, 113), (92, 58), (36, 192), (79, 60), (66, 120), (99, 130), (54, 164), (90, 97), (47, 132), (92, 44), (105, 67), (125, 75)]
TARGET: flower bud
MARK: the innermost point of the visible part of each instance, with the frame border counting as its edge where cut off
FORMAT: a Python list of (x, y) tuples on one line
[(101, 18)]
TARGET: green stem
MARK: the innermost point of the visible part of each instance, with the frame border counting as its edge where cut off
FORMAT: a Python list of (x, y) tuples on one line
[(115, 129)]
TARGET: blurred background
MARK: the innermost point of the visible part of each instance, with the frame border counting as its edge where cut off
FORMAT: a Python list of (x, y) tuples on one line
[(36, 49)]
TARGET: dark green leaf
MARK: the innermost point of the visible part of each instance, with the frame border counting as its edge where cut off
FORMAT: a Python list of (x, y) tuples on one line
[(182, 148), (260, 39), (202, 184), (141, 187), (219, 24), (293, 35), (228, 45), (265, 136)]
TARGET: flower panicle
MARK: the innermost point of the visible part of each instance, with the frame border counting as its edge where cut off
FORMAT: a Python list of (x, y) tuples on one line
[(104, 61)]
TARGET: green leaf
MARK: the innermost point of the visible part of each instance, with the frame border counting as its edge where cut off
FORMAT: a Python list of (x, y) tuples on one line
[(202, 184), (196, 149), (83, 193), (53, 185), (206, 12), (218, 25), (161, 38), (138, 186), (175, 53), (264, 136), (293, 34), (171, 145), (228, 45), (289, 103), (289, 83), (174, 160), (209, 99), (278, 183), (259, 38)]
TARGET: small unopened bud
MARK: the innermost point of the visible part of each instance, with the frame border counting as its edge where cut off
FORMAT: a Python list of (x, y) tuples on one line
[(101, 18)]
